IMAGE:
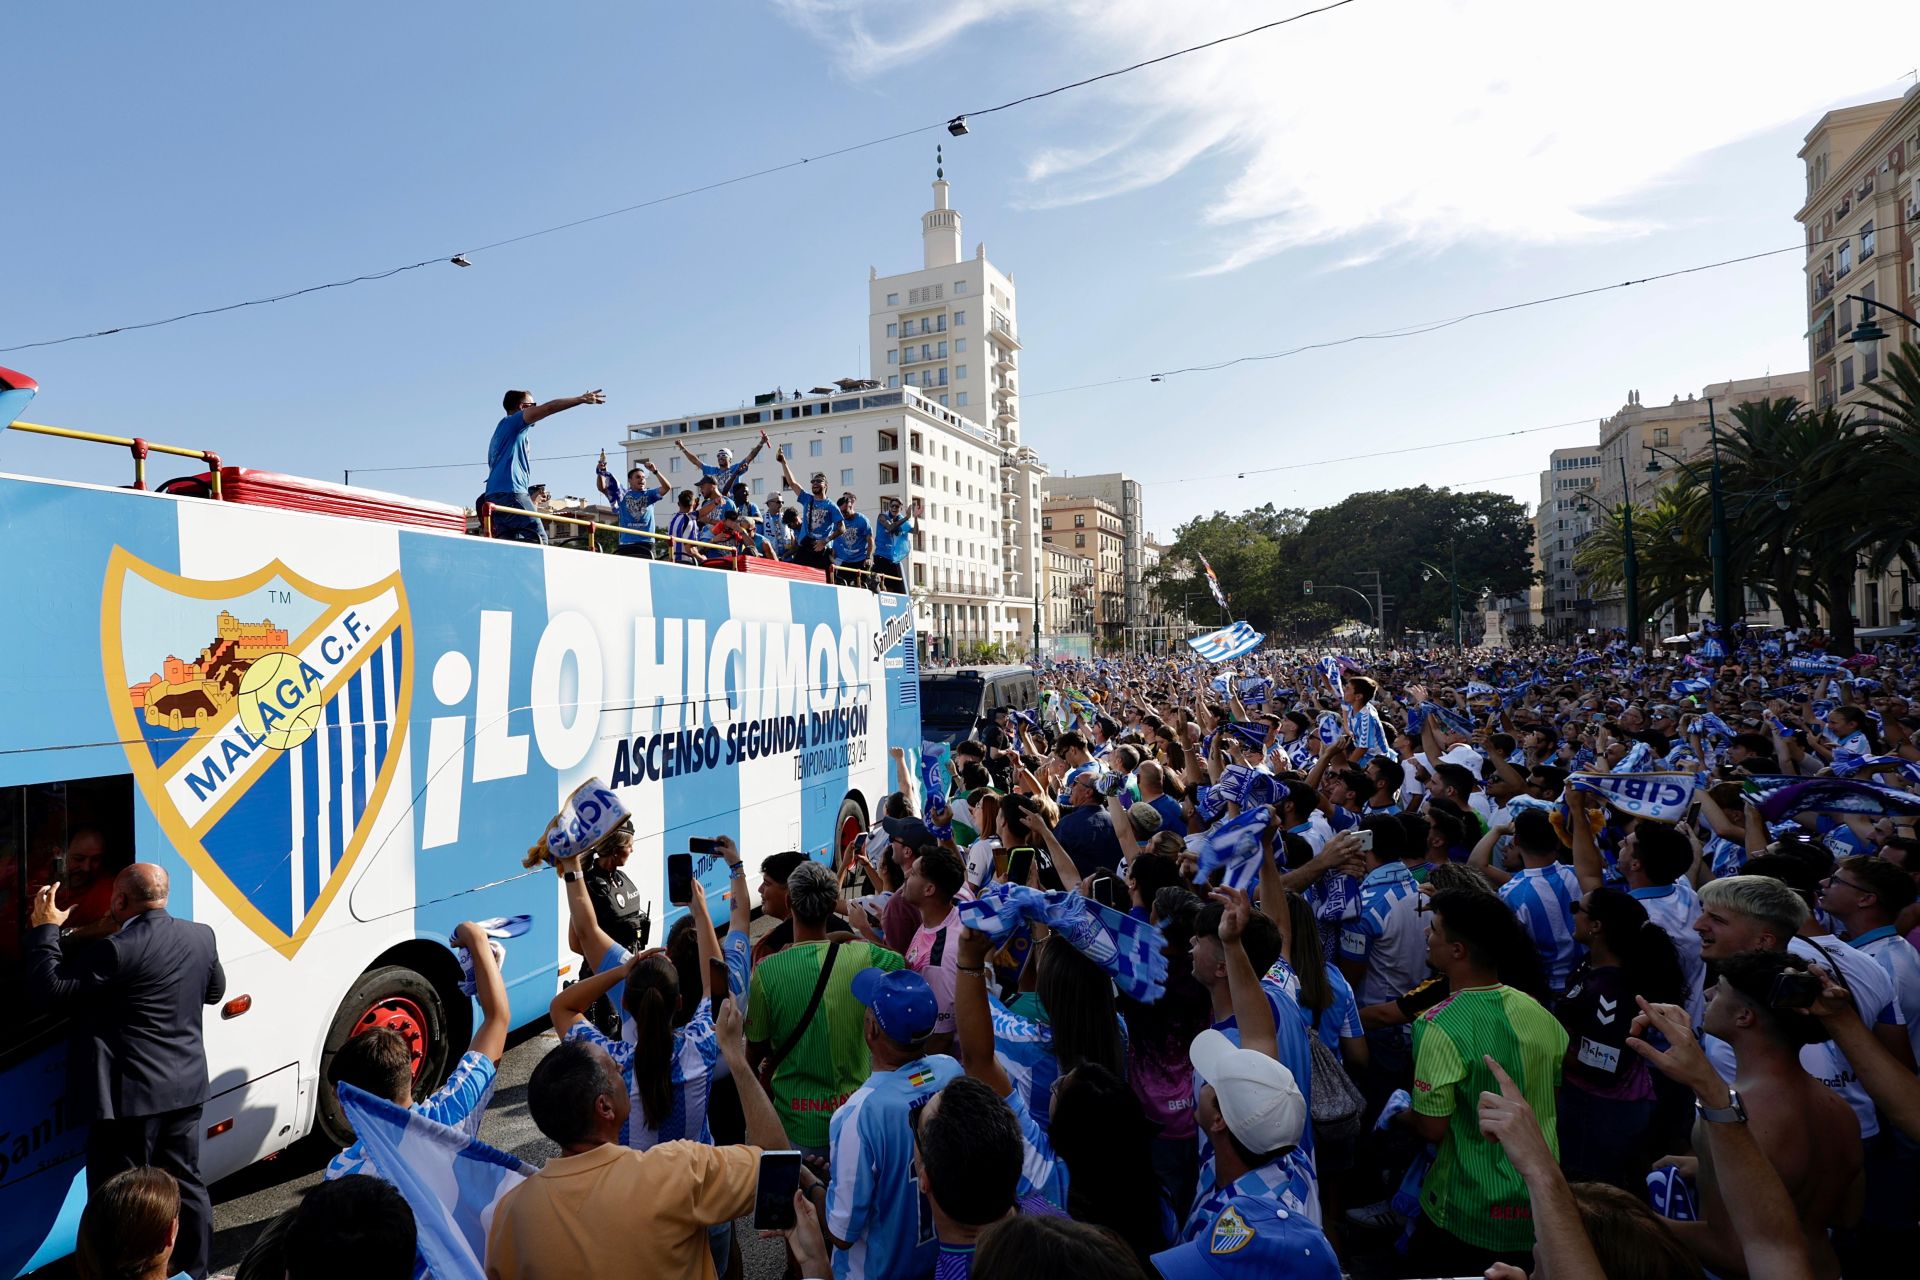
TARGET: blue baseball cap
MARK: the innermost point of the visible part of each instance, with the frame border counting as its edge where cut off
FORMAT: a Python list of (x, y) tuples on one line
[(1253, 1236), (902, 1003)]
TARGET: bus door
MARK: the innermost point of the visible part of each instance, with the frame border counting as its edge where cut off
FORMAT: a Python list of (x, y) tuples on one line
[(78, 832)]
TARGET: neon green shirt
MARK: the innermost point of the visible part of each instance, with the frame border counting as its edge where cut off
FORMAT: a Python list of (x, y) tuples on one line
[(831, 1060), (1473, 1190)]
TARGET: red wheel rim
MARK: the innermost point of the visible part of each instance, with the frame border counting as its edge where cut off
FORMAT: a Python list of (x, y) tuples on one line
[(404, 1016)]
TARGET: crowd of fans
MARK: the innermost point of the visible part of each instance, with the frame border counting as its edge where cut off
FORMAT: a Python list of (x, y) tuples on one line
[(1553, 962)]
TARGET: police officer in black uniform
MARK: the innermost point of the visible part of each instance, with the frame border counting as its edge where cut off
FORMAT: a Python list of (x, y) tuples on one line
[(619, 911)]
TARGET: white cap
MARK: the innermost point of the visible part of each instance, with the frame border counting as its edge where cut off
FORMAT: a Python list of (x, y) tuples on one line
[(1258, 1097)]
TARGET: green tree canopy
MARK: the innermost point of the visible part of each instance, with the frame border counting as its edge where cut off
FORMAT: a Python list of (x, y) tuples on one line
[(1266, 555)]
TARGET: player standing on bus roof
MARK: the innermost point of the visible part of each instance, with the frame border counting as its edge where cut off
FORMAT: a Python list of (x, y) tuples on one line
[(728, 473), (773, 528), (509, 469), (853, 549), (820, 520), (891, 542), (633, 507)]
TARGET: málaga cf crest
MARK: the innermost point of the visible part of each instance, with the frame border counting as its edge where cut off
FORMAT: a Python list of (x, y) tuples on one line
[(264, 717)]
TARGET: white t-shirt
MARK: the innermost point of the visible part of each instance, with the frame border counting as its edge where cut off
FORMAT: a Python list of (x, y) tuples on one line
[(980, 860)]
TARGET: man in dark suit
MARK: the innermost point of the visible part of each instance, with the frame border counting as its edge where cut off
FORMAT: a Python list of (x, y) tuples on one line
[(138, 1060)]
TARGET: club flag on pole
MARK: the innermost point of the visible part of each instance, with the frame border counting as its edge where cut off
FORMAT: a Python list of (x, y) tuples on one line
[(1213, 585), (1228, 643), (452, 1182)]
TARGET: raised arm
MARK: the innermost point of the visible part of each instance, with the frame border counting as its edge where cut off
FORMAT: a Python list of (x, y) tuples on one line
[(575, 1002), (764, 1129), (1561, 1247), (1062, 860), (903, 778), (1482, 856), (1252, 1011), (740, 911), (708, 942), (589, 939), (973, 1017), (1587, 863), (1122, 829), (533, 413), (609, 487), (699, 465), (490, 1037)]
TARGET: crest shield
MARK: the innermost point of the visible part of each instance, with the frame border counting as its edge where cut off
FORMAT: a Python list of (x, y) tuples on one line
[(263, 717)]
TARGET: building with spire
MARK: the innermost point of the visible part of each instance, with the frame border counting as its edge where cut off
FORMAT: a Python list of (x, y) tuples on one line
[(950, 331), (937, 424)]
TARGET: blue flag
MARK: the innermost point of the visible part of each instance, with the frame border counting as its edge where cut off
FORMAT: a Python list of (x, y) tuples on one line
[(497, 927), (1781, 796), (1233, 845), (452, 1182), (1128, 950), (1228, 643)]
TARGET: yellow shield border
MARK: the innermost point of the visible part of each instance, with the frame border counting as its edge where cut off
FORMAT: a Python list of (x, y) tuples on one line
[(122, 562)]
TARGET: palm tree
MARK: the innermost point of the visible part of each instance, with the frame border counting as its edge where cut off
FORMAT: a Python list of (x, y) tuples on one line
[(1763, 453), (1894, 405), (1848, 514)]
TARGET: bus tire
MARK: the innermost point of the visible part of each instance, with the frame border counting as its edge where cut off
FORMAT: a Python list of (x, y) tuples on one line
[(393, 996), (849, 830)]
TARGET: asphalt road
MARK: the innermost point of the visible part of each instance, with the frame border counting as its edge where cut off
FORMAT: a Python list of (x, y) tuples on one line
[(246, 1202)]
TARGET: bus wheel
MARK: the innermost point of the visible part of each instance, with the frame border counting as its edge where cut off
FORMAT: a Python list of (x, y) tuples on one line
[(849, 832), (401, 1000)]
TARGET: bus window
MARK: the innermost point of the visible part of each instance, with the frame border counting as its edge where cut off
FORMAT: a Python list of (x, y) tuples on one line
[(79, 832)]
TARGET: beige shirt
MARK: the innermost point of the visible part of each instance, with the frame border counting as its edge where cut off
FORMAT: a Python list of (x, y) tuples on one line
[(618, 1212)]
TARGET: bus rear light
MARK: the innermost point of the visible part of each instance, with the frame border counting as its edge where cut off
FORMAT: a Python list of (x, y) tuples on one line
[(236, 1006), (220, 1128)]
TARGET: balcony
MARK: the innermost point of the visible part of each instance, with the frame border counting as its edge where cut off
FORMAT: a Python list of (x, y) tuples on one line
[(909, 355), (1822, 287), (1823, 345)]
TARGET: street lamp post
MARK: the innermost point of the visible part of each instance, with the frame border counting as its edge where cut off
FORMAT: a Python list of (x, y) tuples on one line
[(1724, 609), (1630, 560), (1453, 586), (1867, 330)]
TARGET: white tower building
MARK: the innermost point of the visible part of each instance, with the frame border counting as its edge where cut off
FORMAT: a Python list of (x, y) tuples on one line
[(951, 331)]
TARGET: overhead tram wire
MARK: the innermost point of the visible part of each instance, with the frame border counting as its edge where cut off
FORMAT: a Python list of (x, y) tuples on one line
[(768, 171), (1243, 472), (1414, 330)]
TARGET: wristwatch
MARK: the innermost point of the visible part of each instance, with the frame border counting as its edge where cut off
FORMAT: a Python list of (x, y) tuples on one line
[(1735, 1112), (570, 876)]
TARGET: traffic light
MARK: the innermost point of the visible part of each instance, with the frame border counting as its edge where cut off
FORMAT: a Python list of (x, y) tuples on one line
[(1307, 587)]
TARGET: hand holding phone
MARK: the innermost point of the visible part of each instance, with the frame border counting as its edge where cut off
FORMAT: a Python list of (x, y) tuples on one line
[(1020, 866), (702, 845), (773, 1207), (680, 879)]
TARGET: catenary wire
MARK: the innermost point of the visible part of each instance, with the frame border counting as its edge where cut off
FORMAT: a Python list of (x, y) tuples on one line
[(767, 171), (1242, 473)]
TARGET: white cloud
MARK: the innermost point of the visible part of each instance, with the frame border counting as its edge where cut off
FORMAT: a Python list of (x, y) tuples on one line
[(1387, 123)]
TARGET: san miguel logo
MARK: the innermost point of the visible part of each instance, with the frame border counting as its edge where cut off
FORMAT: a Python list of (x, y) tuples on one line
[(263, 717)]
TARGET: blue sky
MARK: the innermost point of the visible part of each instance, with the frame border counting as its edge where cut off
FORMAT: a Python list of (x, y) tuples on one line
[(1387, 163)]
